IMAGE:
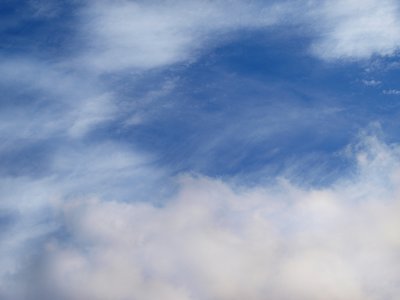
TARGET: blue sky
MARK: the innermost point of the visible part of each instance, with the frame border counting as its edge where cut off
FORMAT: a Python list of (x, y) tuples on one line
[(168, 149)]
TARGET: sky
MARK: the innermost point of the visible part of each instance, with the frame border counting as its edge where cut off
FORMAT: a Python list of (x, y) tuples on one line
[(199, 150)]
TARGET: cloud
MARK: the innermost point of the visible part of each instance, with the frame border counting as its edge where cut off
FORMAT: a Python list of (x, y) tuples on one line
[(391, 92), (89, 221), (27, 216), (146, 35), (152, 34), (371, 82), (214, 240), (45, 100), (356, 29)]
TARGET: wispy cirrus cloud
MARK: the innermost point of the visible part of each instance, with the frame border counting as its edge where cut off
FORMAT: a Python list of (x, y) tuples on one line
[(46, 100), (142, 35), (145, 35), (356, 29)]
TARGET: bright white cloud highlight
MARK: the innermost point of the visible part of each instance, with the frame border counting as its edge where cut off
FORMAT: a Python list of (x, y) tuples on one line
[(354, 29), (151, 34)]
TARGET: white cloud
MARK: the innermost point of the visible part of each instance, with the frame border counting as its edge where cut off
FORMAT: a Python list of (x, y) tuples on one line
[(151, 34), (145, 35), (107, 170), (216, 241), (354, 29), (371, 82), (391, 92), (52, 101), (213, 240)]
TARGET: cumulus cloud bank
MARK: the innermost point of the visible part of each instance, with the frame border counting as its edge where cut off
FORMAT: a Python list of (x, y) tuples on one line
[(218, 241)]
